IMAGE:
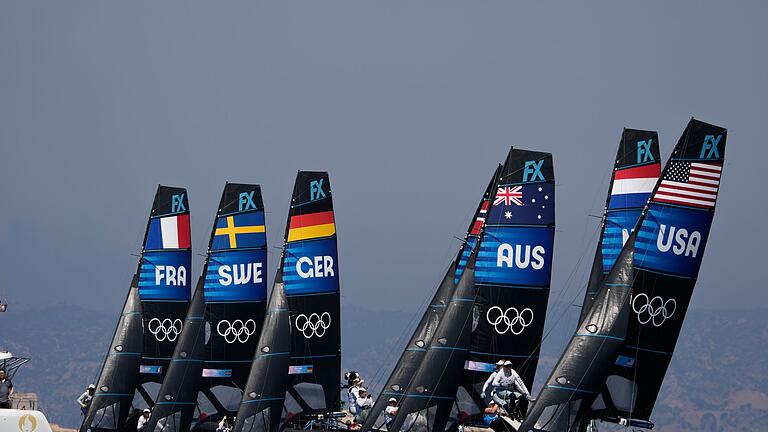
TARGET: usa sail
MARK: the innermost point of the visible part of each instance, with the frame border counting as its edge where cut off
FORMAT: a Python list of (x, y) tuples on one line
[(615, 363), (297, 365), (421, 338), (635, 173), (151, 319), (216, 347)]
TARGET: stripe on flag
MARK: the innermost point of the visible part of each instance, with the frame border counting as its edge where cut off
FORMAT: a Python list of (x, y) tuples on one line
[(313, 225), (171, 232)]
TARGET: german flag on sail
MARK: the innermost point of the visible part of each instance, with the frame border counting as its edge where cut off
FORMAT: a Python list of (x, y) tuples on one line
[(311, 226)]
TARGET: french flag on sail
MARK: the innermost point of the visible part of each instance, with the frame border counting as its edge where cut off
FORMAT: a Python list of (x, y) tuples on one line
[(171, 232), (632, 186)]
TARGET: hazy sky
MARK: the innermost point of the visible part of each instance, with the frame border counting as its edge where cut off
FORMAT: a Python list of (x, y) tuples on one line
[(409, 105)]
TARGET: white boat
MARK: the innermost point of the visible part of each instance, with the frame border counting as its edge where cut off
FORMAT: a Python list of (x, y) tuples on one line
[(13, 420)]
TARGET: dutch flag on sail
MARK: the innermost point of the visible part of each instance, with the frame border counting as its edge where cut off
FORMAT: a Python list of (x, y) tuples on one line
[(632, 186), (171, 232)]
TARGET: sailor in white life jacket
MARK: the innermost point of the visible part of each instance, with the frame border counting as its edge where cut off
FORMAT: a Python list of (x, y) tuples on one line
[(358, 399), (509, 385), (489, 381)]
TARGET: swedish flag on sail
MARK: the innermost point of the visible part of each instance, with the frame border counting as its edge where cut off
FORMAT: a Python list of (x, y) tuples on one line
[(240, 231)]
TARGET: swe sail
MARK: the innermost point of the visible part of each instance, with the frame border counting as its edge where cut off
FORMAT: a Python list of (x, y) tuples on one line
[(152, 316)]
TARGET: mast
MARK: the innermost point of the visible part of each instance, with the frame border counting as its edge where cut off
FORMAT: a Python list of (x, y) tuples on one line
[(603, 371), (151, 319), (300, 341), (422, 335), (228, 306), (636, 169)]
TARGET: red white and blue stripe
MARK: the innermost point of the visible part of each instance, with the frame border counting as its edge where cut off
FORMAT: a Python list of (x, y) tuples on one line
[(632, 186), (170, 232)]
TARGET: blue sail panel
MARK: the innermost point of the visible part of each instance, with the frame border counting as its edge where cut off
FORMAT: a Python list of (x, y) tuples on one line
[(236, 276), (165, 275), (515, 256), (310, 267), (618, 227)]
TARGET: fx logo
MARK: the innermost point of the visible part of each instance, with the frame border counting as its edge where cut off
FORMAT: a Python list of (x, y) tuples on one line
[(316, 190), (644, 151), (533, 169), (177, 203), (246, 201), (710, 143)]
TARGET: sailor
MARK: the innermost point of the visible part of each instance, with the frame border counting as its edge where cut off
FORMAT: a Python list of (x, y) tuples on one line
[(143, 419), (493, 420), (363, 402), (224, 425), (354, 384), (509, 385), (86, 398), (6, 390), (489, 381), (390, 411)]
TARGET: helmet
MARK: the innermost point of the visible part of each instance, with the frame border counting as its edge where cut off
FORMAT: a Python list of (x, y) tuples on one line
[(507, 363), (146, 410), (500, 363), (91, 386), (392, 400)]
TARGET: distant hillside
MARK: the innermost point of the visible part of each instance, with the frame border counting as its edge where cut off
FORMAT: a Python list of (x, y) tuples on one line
[(718, 379)]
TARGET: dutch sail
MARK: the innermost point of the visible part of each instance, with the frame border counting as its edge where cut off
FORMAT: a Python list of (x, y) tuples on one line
[(414, 352), (151, 319), (615, 363), (216, 347), (297, 365), (636, 169)]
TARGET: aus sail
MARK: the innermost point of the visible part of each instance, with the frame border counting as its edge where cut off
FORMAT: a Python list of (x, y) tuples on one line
[(152, 316)]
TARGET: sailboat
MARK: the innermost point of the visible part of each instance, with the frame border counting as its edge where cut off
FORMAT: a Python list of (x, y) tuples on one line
[(422, 335), (152, 316), (215, 348), (498, 307), (614, 365), (296, 368)]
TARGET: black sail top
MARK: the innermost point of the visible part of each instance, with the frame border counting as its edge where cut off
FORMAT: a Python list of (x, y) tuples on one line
[(636, 169), (151, 319), (615, 363), (219, 337), (422, 336)]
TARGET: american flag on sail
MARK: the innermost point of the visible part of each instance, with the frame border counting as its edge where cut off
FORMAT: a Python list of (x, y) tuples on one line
[(690, 183)]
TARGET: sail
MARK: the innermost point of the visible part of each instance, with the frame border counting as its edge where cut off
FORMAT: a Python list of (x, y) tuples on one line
[(421, 338), (514, 271), (216, 346), (668, 254), (615, 363), (636, 169), (311, 284), (435, 382), (151, 319)]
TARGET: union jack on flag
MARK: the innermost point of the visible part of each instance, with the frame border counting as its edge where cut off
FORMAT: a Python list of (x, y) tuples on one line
[(509, 195)]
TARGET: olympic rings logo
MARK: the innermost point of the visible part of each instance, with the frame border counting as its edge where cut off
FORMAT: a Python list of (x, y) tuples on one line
[(314, 325), (653, 310), (237, 330), (511, 320), (165, 330)]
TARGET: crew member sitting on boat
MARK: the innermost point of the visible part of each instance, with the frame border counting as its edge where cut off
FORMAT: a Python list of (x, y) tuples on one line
[(86, 398), (489, 381), (143, 419), (390, 411), (358, 399), (493, 420), (506, 382)]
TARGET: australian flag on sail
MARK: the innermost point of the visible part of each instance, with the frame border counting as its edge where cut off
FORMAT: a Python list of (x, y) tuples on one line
[(632, 186), (526, 204), (240, 231)]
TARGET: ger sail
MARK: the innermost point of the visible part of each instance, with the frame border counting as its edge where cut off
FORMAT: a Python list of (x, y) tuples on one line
[(636, 169), (211, 361), (151, 319), (297, 365), (421, 338), (615, 363)]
